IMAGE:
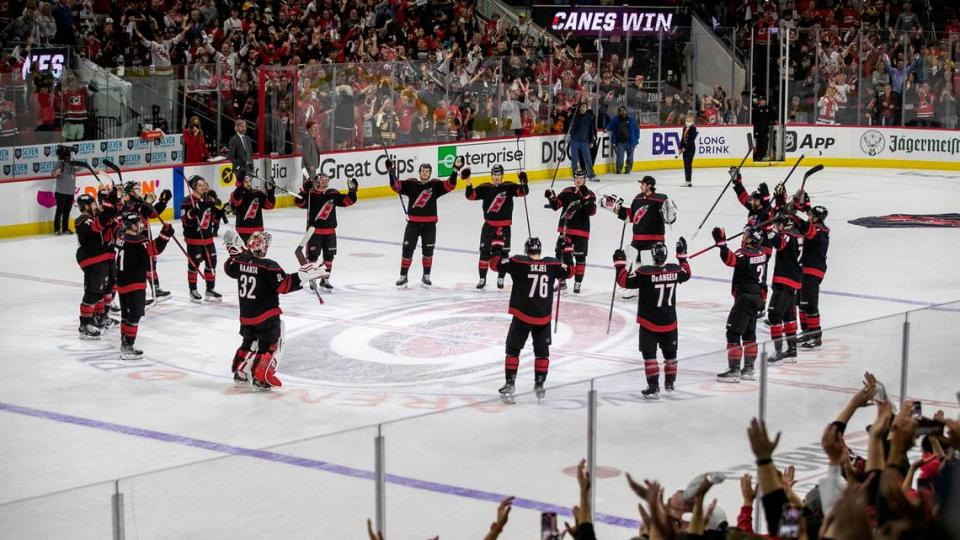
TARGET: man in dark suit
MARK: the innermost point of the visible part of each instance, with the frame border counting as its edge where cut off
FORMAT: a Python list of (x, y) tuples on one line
[(688, 147), (240, 152), (310, 151)]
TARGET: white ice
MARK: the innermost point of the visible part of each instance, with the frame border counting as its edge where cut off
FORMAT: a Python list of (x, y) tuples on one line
[(72, 414)]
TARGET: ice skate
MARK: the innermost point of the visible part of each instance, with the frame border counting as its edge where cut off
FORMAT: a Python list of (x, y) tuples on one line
[(790, 357), (113, 308), (195, 296), (213, 296), (481, 284), (499, 282), (561, 286), (538, 389), (425, 282), (325, 285), (576, 287), (106, 322), (129, 352), (89, 332), (508, 392), (732, 375), (240, 379), (668, 388), (160, 295), (748, 374), (688, 184), (812, 343), (652, 392), (402, 282)]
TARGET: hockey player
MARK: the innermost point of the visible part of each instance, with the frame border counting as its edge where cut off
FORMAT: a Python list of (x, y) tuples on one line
[(135, 253), (531, 302), (321, 201), (497, 199), (747, 263), (134, 201), (577, 204), (249, 203), (260, 281), (198, 214), (656, 311), (787, 277), (109, 234), (422, 194), (816, 240), (93, 254), (759, 212)]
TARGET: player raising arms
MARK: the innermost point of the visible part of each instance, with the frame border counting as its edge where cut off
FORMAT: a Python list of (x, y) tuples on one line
[(816, 240), (93, 254), (321, 202), (198, 215), (135, 255), (747, 263), (135, 201), (577, 204), (656, 311), (787, 277), (497, 199), (759, 212), (422, 194), (249, 203), (531, 301), (260, 281)]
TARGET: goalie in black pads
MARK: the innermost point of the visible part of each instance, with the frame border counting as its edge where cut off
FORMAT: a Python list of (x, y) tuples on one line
[(531, 302), (656, 311), (577, 204), (260, 281), (747, 263), (321, 202)]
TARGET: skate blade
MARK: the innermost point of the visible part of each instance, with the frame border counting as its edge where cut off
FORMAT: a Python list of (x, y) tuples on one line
[(196, 300), (424, 286), (89, 338), (655, 397), (730, 381), (750, 378), (163, 298), (509, 399), (213, 300), (131, 356)]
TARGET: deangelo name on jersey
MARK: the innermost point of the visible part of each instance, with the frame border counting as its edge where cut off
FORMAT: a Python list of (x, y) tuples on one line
[(660, 278)]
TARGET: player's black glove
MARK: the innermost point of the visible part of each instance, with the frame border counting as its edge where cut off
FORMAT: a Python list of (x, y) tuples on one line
[(682, 248), (307, 186), (165, 196), (352, 184), (166, 230), (619, 258), (780, 194), (522, 175), (735, 176), (458, 163), (390, 166), (270, 184), (564, 244), (719, 236), (549, 194), (465, 173), (763, 189)]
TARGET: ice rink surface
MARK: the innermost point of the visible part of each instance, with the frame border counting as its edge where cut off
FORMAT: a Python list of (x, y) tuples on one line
[(73, 414)]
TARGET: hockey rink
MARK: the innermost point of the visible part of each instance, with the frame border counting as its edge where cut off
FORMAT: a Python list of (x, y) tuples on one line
[(297, 462)]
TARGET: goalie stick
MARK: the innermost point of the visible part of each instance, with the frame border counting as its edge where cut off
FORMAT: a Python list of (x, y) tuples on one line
[(302, 259)]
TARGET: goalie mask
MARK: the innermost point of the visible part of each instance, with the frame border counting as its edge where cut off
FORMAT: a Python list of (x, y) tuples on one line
[(259, 243)]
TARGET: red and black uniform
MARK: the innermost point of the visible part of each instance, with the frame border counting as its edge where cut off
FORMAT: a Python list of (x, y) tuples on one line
[(260, 282), (497, 201), (322, 216), (198, 217), (755, 217), (248, 206), (747, 263), (421, 216), (646, 215), (147, 212), (531, 304), (134, 255), (816, 241), (577, 206), (787, 277), (94, 253), (657, 313)]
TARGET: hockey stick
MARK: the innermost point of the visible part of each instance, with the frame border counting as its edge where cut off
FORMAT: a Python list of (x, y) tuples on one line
[(276, 186), (738, 235), (176, 240), (302, 258), (85, 165), (566, 217), (559, 161), (391, 174), (810, 173), (526, 211), (732, 176), (795, 165), (613, 295)]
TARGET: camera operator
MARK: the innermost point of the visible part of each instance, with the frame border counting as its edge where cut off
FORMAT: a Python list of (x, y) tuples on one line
[(66, 175)]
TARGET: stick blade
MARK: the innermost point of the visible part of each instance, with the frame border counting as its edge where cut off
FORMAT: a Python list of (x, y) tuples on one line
[(110, 164), (750, 141), (813, 171)]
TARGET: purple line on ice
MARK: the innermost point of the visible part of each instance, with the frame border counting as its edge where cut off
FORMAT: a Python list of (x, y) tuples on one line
[(307, 463)]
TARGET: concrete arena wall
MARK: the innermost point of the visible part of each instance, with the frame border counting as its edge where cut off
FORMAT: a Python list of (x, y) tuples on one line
[(26, 203)]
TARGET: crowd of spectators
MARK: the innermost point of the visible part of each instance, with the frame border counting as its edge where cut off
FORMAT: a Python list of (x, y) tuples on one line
[(906, 486)]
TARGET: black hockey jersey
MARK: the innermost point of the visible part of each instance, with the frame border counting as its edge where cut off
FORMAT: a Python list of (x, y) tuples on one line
[(133, 260), (754, 216), (142, 208), (786, 268), (531, 299), (198, 217), (646, 215), (322, 207), (94, 236), (248, 205), (747, 264), (260, 282), (816, 240), (578, 224), (422, 196), (656, 305), (497, 201)]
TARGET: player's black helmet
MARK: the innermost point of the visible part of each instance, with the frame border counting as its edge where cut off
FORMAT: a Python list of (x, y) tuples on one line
[(129, 187), (579, 173), (819, 213), (497, 169), (85, 201), (753, 235), (130, 219), (532, 246), (659, 253)]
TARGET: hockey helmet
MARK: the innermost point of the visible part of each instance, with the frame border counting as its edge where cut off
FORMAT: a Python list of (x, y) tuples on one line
[(819, 213), (85, 201), (130, 220), (659, 253), (752, 235), (532, 246), (781, 218), (757, 195), (497, 169), (259, 243), (579, 174), (129, 187)]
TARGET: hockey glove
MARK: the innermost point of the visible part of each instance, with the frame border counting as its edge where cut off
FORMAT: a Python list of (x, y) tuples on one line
[(564, 244), (389, 165), (780, 194), (735, 176), (165, 196), (682, 248), (619, 258), (465, 173), (352, 184), (763, 189), (522, 175), (307, 186), (311, 271), (549, 194), (458, 163), (719, 236), (166, 231)]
